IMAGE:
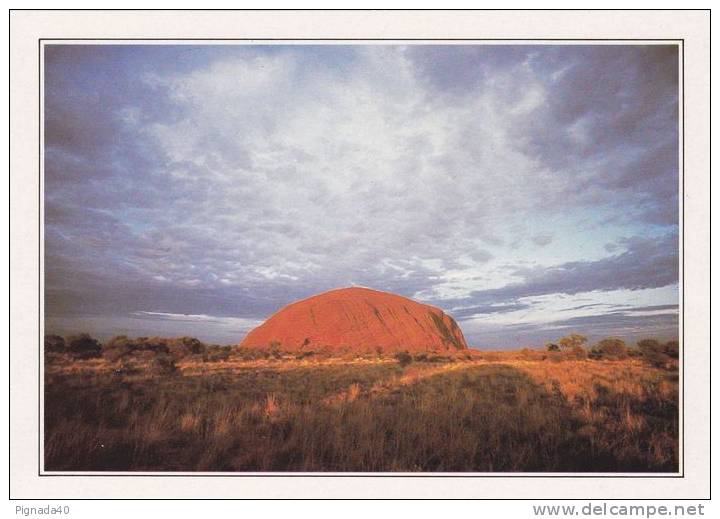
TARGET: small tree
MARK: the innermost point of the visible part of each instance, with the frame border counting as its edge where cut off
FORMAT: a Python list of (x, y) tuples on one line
[(572, 341), (572, 346)]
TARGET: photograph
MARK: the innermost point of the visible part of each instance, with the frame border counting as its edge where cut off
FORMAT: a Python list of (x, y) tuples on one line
[(351, 257)]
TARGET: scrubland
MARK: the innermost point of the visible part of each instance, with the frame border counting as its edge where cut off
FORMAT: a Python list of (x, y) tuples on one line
[(224, 410)]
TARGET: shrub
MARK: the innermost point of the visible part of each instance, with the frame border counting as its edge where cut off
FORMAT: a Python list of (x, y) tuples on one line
[(609, 349), (659, 355), (216, 353), (121, 346), (634, 352), (404, 358), (575, 352), (185, 347), (54, 344), (275, 350), (83, 346), (142, 356), (552, 347), (163, 364), (672, 349), (117, 347), (648, 345), (246, 353)]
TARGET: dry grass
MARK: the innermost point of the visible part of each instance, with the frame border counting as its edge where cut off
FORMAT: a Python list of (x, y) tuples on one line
[(504, 413)]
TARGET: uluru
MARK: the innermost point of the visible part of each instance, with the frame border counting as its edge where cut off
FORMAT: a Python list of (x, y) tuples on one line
[(358, 319)]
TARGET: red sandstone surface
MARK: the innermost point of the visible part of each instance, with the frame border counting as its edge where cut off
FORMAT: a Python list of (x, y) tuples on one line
[(358, 319)]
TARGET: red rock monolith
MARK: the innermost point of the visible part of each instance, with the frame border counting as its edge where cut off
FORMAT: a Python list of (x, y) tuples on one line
[(358, 320)]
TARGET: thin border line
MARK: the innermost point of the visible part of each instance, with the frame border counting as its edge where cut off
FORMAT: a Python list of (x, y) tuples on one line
[(681, 44), (356, 10), (40, 244), (682, 257), (10, 255), (363, 39)]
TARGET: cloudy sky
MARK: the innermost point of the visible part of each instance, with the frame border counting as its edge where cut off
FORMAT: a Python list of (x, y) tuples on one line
[(529, 191)]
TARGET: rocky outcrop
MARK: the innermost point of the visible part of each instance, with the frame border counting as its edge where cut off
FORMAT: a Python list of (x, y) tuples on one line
[(358, 319)]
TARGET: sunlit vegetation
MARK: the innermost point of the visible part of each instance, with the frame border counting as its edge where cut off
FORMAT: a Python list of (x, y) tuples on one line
[(153, 404)]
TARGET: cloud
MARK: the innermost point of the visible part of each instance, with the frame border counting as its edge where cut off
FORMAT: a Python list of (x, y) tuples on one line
[(624, 324), (542, 240), (233, 323), (462, 313), (646, 263), (228, 181), (627, 325)]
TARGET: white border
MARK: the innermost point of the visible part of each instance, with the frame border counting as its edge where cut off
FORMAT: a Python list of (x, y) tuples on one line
[(32, 25)]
